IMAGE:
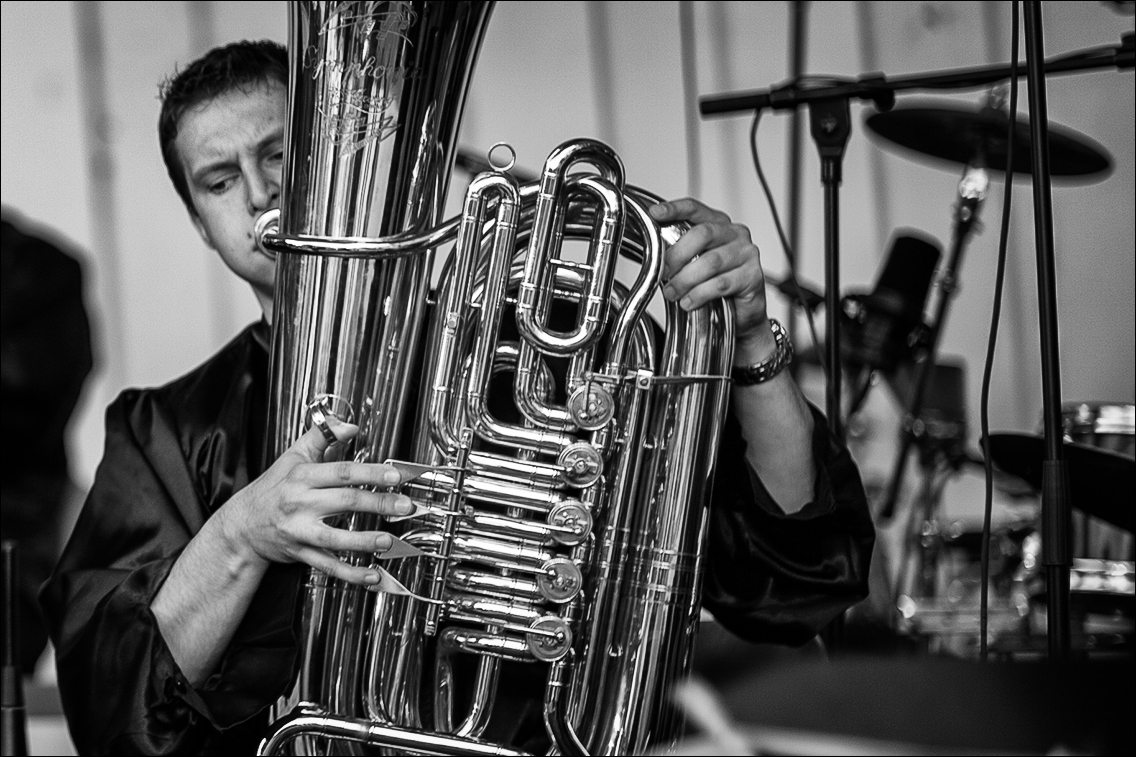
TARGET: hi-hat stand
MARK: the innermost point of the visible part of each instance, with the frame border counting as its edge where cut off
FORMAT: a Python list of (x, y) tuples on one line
[(827, 103)]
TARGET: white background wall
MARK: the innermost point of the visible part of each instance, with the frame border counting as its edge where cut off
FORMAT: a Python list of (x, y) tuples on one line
[(80, 156)]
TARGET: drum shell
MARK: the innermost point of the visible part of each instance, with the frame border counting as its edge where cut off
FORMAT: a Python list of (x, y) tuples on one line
[(1106, 425)]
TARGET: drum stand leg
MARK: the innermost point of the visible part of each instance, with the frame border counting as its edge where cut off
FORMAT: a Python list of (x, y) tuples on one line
[(921, 545)]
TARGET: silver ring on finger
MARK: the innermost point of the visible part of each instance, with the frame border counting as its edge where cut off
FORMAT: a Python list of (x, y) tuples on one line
[(319, 420)]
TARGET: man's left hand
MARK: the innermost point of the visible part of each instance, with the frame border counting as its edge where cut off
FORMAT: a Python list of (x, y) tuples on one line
[(716, 258)]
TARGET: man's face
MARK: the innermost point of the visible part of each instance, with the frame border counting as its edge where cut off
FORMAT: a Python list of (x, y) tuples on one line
[(232, 151)]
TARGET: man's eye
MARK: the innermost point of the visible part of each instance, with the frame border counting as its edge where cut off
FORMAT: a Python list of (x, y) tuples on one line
[(220, 186)]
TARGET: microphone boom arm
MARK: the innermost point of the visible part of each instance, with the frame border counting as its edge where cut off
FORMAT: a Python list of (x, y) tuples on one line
[(881, 90)]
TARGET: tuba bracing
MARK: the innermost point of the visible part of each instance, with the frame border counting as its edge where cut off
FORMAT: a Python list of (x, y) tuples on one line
[(564, 533)]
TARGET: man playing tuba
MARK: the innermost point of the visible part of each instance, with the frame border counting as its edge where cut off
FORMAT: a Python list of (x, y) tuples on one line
[(173, 609)]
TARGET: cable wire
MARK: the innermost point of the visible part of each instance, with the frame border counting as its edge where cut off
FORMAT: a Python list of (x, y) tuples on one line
[(988, 368), (790, 259)]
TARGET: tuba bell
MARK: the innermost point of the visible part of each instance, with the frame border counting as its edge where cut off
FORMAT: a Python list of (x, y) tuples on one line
[(558, 446)]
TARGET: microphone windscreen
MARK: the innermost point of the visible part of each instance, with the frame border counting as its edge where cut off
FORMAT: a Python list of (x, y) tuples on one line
[(881, 324), (905, 280)]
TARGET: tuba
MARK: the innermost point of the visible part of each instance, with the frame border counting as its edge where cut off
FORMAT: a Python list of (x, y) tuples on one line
[(558, 446)]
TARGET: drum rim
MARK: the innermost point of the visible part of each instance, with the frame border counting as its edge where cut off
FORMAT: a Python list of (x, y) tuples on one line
[(1084, 416)]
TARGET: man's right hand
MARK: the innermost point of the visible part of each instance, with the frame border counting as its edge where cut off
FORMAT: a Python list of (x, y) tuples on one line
[(282, 515), (279, 517)]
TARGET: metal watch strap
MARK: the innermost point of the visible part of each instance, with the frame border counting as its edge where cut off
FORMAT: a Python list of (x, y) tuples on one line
[(759, 373)]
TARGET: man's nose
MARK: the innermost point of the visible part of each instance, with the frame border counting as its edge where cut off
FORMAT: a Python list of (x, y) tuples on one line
[(264, 190)]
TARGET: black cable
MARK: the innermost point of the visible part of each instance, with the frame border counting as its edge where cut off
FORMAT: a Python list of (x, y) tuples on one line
[(790, 259), (999, 280)]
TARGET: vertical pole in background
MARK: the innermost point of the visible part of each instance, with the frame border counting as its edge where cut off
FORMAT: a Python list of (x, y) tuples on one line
[(797, 27), (830, 123), (202, 32), (1055, 514), (106, 244), (598, 20), (878, 169), (690, 98), (13, 717)]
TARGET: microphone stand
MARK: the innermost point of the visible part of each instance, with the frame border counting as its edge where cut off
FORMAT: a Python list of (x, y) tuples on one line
[(875, 86), (971, 193), (830, 123), (1055, 523)]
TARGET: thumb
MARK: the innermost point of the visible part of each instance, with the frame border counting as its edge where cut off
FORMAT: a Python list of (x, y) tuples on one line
[(314, 443)]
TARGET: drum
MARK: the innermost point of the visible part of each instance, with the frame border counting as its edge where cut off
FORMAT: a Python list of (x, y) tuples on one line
[(1102, 579), (938, 592), (1107, 425), (1102, 599)]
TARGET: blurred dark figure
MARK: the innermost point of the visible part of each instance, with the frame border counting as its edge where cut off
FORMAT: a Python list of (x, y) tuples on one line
[(45, 357)]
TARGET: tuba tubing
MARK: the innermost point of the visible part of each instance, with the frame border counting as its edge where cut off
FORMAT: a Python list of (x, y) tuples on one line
[(569, 537)]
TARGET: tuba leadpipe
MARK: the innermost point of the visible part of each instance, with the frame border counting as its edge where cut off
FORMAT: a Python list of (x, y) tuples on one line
[(568, 537)]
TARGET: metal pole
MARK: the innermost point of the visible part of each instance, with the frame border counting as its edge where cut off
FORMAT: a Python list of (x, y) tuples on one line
[(13, 717), (797, 21), (1056, 551), (830, 123)]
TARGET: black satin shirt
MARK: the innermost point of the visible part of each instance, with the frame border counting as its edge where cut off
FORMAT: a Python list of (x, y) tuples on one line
[(177, 453)]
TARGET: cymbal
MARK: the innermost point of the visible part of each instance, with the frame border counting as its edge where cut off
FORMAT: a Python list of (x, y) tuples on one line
[(956, 133), (1101, 482)]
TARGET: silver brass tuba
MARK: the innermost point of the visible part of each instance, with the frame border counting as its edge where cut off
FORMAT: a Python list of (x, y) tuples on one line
[(565, 533)]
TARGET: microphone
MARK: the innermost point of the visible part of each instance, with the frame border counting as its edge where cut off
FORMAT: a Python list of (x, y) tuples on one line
[(882, 329)]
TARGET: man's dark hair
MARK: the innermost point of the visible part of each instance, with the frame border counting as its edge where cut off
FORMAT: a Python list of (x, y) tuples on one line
[(239, 65)]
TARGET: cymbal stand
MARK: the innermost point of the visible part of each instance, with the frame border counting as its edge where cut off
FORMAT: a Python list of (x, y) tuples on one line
[(972, 190)]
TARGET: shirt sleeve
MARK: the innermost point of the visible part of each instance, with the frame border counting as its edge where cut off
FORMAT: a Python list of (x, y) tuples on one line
[(778, 578), (121, 689)]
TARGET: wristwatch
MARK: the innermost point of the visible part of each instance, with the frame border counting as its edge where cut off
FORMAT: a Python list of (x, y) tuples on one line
[(759, 373)]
